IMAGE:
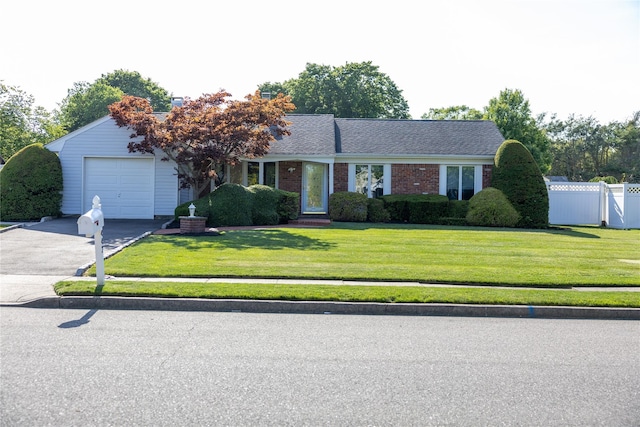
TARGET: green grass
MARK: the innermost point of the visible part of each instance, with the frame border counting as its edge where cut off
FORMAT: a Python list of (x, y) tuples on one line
[(385, 294), (575, 256)]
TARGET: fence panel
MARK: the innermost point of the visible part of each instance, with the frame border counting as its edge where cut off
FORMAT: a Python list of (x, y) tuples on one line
[(573, 203)]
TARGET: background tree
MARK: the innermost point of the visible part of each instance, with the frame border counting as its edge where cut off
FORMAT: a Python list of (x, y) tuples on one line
[(22, 123), (510, 111), (457, 112), (205, 134), (87, 102), (354, 90), (625, 159)]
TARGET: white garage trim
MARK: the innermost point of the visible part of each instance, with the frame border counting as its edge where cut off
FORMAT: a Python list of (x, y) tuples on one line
[(125, 186)]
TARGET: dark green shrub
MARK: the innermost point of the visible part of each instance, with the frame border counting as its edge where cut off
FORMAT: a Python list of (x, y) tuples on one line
[(346, 206), (376, 211), (231, 204), (203, 206), (456, 214), (288, 205), (605, 179), (397, 206), (491, 208), (31, 185), (427, 208), (517, 175), (264, 205)]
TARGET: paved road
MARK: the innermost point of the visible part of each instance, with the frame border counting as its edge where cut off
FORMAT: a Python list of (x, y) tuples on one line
[(107, 367)]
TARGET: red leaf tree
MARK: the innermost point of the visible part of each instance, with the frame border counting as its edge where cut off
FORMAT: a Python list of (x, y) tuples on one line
[(204, 134)]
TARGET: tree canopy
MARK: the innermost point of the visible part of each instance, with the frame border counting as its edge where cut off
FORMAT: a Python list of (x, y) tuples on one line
[(457, 112), (204, 134), (87, 102), (22, 123), (354, 90)]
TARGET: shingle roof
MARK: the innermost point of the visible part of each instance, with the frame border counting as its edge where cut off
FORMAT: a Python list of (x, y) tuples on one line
[(417, 137), (311, 134), (322, 134)]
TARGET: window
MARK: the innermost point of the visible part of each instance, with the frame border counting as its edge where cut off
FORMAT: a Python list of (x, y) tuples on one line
[(253, 173), (369, 180), (460, 182), (269, 174)]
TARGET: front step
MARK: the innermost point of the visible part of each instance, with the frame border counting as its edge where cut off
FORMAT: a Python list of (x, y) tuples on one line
[(311, 221)]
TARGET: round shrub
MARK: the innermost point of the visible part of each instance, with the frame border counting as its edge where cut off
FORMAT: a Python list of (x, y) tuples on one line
[(605, 179), (264, 207), (517, 175), (346, 206), (31, 185), (491, 208), (376, 211)]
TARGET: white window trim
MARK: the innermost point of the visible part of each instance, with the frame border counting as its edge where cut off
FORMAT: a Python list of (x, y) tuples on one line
[(386, 171), (477, 178)]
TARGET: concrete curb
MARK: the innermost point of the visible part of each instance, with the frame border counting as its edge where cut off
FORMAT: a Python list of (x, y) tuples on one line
[(329, 307)]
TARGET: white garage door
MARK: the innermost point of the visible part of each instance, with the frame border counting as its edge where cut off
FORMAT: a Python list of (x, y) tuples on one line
[(125, 186)]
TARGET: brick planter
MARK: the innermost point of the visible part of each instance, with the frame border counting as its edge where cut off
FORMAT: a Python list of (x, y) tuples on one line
[(192, 224)]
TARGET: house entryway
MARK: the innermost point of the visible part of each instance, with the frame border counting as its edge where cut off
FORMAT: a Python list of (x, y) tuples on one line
[(314, 188)]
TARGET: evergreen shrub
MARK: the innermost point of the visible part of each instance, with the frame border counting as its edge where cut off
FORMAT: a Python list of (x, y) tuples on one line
[(605, 179), (288, 205), (376, 211), (347, 206), (427, 208), (31, 185), (491, 208), (517, 175), (264, 206)]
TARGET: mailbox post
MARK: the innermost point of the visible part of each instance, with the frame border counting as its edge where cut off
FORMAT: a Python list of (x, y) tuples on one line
[(91, 224)]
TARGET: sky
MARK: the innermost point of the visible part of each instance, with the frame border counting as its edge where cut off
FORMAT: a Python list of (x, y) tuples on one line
[(577, 57)]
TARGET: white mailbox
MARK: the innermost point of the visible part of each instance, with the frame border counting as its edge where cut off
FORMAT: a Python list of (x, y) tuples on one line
[(91, 222)]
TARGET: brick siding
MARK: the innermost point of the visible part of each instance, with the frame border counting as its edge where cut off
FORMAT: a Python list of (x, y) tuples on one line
[(415, 179)]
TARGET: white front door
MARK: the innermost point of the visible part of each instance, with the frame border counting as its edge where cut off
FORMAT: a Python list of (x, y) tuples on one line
[(314, 188), (125, 186)]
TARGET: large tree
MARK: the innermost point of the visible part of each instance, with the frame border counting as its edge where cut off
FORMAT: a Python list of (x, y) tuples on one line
[(86, 102), (457, 112), (511, 113), (22, 123), (354, 90), (204, 134)]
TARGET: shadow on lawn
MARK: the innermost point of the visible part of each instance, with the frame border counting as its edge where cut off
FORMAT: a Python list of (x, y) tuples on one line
[(273, 239)]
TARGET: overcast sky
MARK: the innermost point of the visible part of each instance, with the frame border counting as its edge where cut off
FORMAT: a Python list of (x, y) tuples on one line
[(567, 56)]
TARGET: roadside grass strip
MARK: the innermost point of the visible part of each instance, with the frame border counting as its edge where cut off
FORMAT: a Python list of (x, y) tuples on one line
[(558, 257), (353, 293)]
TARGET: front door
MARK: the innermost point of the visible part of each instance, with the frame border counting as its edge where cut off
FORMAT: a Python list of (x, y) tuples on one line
[(314, 188)]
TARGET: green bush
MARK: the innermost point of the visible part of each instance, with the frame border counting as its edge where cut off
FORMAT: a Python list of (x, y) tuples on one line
[(346, 206), (31, 185), (456, 214), (376, 211), (235, 205), (491, 208), (397, 206), (288, 205), (264, 205), (606, 179), (427, 208), (517, 175)]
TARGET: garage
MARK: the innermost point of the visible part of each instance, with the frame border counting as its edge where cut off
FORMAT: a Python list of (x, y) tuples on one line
[(125, 186)]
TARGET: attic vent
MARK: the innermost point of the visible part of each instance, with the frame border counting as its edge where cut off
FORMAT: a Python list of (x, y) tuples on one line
[(176, 101)]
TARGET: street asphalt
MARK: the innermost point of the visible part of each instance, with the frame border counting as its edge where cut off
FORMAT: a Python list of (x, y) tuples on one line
[(35, 256)]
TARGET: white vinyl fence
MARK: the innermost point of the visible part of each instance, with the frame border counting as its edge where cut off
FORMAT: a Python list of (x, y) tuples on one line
[(613, 205)]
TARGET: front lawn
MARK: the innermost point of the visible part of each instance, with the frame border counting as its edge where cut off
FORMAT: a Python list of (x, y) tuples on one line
[(350, 293), (392, 252)]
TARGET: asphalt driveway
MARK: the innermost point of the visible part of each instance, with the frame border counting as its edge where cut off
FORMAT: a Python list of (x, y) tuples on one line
[(55, 248)]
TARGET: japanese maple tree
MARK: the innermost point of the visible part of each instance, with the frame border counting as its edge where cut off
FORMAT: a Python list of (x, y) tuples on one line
[(204, 134)]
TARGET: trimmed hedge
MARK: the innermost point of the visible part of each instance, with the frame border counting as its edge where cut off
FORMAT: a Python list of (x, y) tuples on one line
[(376, 211), (491, 208), (347, 206), (518, 176), (31, 185), (416, 208), (236, 205)]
